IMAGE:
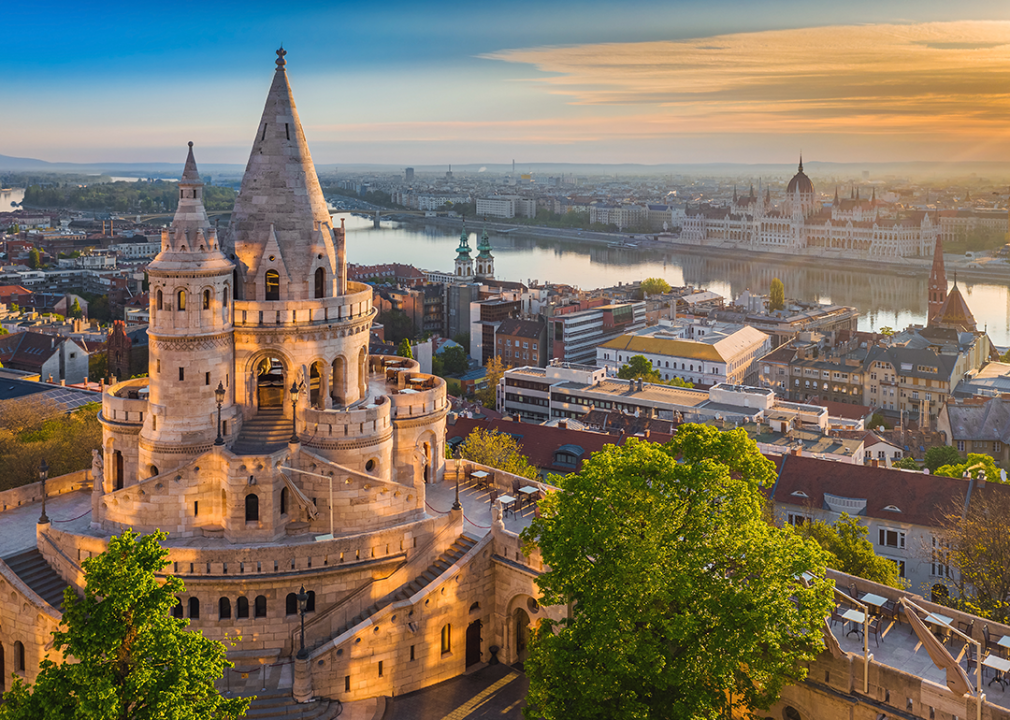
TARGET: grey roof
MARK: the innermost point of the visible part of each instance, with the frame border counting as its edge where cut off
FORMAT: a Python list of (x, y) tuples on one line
[(913, 357), (985, 421)]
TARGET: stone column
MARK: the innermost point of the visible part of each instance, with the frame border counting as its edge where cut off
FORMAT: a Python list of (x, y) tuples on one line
[(301, 691)]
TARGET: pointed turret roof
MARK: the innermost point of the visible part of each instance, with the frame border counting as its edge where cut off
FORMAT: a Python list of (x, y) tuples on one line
[(836, 194), (955, 313), (280, 191), (484, 246), (463, 251), (190, 175)]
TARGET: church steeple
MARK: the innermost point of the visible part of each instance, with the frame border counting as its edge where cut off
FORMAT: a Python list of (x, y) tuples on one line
[(937, 282), (464, 263), (485, 260)]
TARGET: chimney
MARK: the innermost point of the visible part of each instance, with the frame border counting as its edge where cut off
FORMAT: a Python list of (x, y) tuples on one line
[(563, 424), (647, 433)]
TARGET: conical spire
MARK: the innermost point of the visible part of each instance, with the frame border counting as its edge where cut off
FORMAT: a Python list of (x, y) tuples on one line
[(752, 190), (734, 195), (857, 193), (485, 245), (801, 162), (280, 189), (836, 195), (464, 244), (190, 175), (937, 291), (873, 196)]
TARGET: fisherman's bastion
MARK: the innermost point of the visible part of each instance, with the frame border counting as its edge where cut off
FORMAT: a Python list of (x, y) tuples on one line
[(279, 455)]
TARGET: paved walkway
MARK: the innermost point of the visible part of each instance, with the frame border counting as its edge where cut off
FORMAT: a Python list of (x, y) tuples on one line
[(494, 691), (70, 511), (476, 508)]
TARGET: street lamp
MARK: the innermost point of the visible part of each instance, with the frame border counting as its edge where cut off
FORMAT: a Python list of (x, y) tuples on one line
[(303, 602), (456, 505), (43, 474), (294, 412), (219, 396)]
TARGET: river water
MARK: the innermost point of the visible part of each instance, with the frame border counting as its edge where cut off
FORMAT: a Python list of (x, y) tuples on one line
[(883, 299)]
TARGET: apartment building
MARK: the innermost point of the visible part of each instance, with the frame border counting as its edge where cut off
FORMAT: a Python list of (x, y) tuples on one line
[(574, 337)]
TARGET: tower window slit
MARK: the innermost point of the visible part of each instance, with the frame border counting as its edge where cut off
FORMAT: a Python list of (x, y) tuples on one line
[(287, 131), (264, 132)]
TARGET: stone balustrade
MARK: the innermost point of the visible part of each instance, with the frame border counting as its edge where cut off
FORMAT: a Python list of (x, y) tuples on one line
[(354, 422), (419, 395), (122, 403), (355, 305), (32, 492)]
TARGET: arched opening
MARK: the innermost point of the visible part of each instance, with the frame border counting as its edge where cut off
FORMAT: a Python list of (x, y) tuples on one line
[(152, 471), (362, 372), (338, 381), (177, 608), (521, 622), (3, 670), (19, 656), (315, 384), (310, 604), (273, 285), (235, 282), (791, 713), (320, 282), (260, 606), (252, 508), (291, 604), (194, 608), (426, 450), (284, 501), (473, 643), (120, 470), (270, 383), (160, 301), (242, 608), (224, 609), (180, 300), (446, 638), (224, 296)]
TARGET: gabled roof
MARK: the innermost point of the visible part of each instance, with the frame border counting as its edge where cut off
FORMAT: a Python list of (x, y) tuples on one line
[(955, 313), (28, 350), (985, 421), (520, 328)]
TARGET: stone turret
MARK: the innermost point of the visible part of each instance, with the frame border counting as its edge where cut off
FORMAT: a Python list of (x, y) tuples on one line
[(937, 282)]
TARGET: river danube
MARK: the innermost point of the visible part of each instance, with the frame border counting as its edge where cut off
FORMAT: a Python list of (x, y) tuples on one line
[(882, 299)]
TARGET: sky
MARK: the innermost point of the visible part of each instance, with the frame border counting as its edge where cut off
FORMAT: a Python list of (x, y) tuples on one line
[(421, 83)]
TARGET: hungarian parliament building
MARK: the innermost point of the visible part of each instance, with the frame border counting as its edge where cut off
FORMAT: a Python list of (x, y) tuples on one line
[(854, 225)]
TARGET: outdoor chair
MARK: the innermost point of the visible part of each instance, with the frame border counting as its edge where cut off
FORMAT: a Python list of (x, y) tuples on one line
[(874, 630), (836, 615), (991, 643), (969, 658), (493, 496)]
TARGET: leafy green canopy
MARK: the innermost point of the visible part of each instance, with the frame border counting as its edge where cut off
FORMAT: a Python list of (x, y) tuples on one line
[(655, 286), (776, 295), (684, 598), (937, 457), (136, 662), (498, 450), (977, 465), (639, 367), (404, 350), (850, 552)]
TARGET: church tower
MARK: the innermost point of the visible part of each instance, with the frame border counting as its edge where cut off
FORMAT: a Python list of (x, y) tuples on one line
[(464, 263), (937, 282), (191, 348), (485, 260)]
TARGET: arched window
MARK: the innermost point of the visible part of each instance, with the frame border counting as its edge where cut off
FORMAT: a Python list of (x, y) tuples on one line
[(320, 282), (242, 608), (177, 609), (194, 608), (180, 301), (261, 606), (161, 300), (446, 638), (224, 296), (19, 656), (273, 280), (310, 604), (284, 501), (291, 604), (224, 609), (252, 508), (206, 299)]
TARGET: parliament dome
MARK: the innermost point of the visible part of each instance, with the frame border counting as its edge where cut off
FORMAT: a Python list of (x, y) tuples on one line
[(800, 182)]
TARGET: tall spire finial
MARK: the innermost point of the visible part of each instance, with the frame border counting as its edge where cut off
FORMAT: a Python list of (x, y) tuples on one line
[(281, 62), (801, 161)]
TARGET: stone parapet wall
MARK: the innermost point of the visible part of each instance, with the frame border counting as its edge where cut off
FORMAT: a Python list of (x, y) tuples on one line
[(32, 492), (335, 425), (356, 305), (503, 481), (117, 405)]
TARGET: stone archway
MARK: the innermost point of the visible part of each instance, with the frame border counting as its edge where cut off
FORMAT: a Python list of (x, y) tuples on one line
[(521, 633), (316, 384), (338, 382), (269, 375)]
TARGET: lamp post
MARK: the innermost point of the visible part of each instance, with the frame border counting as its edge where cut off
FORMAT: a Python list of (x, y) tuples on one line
[(43, 474), (294, 412), (303, 602), (456, 505), (219, 396)]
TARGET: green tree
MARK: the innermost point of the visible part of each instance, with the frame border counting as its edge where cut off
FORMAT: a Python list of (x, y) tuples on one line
[(776, 295), (98, 365), (99, 309), (906, 463), (497, 450), (462, 338), (850, 552), (404, 350), (75, 310), (455, 360), (638, 367), (655, 286), (877, 420), (684, 599), (886, 331), (488, 397), (937, 457), (976, 465), (135, 661), (398, 325), (34, 259)]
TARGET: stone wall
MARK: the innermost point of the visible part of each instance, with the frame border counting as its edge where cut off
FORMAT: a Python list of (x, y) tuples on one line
[(32, 492)]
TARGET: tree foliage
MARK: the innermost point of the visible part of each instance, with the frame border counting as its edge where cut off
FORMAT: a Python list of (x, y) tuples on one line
[(655, 286), (135, 661), (34, 259), (683, 596), (75, 310), (941, 455), (497, 450), (404, 350), (398, 325), (488, 396), (776, 295), (877, 421), (638, 367), (906, 463), (849, 550), (142, 197), (976, 466), (33, 428)]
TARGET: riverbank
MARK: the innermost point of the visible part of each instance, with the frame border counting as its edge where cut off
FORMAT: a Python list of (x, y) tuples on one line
[(907, 267)]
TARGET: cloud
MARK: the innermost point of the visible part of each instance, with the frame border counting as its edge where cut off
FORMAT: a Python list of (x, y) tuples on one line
[(910, 82)]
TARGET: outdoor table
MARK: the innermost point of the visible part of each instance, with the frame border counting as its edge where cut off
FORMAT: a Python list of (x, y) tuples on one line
[(528, 493), (1004, 642), (856, 618), (998, 664), (875, 600), (507, 503), (481, 478), (942, 621)]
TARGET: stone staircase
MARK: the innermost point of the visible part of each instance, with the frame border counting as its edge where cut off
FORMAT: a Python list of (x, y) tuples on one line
[(280, 706), (443, 562), (37, 574), (265, 432)]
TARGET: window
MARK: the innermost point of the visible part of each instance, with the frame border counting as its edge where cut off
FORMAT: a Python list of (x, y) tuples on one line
[(180, 301), (996, 446), (206, 378), (291, 604), (19, 656), (182, 373), (960, 445), (242, 608), (177, 608), (797, 519), (273, 283), (206, 299), (310, 603), (194, 608), (161, 301), (224, 609), (941, 557), (252, 508), (320, 282), (260, 609), (224, 297), (446, 638), (891, 538), (284, 501)]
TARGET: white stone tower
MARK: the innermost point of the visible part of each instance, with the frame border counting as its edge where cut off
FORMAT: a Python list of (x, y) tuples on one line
[(191, 347)]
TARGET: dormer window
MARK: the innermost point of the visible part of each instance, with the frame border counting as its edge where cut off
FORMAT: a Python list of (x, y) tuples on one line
[(273, 285), (892, 508), (799, 494)]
